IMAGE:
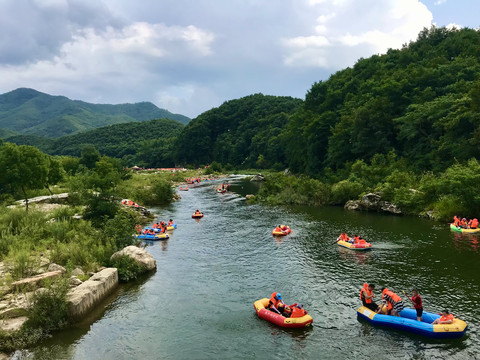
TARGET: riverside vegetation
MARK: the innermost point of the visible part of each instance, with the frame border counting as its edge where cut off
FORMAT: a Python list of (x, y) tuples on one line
[(29, 234)]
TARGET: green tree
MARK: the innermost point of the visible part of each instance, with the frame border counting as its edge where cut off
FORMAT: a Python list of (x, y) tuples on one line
[(90, 156), (24, 168)]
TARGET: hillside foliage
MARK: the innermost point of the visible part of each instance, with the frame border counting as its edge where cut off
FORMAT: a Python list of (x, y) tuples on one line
[(30, 112)]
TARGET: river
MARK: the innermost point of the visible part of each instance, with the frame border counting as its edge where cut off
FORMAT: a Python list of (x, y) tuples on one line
[(199, 303)]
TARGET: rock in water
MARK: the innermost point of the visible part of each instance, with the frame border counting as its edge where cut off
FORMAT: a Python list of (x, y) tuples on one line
[(83, 298), (258, 177), (139, 255)]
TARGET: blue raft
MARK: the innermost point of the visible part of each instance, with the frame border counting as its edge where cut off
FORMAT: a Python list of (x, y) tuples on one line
[(152, 237), (408, 322)]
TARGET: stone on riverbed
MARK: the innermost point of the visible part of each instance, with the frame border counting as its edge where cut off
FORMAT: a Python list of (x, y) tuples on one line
[(34, 281), (142, 257), (83, 298), (12, 324), (372, 202)]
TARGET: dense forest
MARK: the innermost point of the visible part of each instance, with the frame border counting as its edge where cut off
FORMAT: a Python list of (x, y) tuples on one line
[(146, 143), (243, 133), (30, 112), (421, 101)]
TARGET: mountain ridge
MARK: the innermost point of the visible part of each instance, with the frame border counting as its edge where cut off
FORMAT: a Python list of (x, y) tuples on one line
[(26, 111)]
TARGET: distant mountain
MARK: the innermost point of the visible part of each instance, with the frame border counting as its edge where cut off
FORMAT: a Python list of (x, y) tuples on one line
[(30, 112), (117, 140)]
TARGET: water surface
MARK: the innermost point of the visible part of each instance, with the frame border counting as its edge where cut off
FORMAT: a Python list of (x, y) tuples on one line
[(199, 302)]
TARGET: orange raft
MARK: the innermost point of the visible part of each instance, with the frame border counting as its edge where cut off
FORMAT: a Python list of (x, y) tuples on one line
[(197, 216), (282, 232), (277, 319)]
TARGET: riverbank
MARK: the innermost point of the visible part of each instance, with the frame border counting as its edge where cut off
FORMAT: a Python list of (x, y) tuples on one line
[(57, 297), (382, 186)]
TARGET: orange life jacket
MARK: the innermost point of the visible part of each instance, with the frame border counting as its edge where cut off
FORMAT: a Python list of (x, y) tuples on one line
[(448, 317), (367, 292), (394, 296), (274, 301), (170, 223), (297, 313), (474, 224), (456, 221)]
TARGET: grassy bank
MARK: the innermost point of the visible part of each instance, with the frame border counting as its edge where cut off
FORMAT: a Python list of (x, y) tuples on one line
[(440, 195)]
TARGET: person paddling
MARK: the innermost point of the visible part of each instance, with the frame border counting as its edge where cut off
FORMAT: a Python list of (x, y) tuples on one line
[(416, 300)]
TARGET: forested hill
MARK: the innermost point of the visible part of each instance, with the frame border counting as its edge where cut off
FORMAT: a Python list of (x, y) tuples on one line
[(237, 132), (146, 143), (422, 101), (27, 111)]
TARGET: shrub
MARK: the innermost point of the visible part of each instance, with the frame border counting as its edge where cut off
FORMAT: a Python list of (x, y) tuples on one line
[(448, 206), (49, 308), (121, 228), (345, 190), (128, 268)]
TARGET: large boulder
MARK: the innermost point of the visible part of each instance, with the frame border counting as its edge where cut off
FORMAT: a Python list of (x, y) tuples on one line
[(372, 202), (83, 298), (139, 255)]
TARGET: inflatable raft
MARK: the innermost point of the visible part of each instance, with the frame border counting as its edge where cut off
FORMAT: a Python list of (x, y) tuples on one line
[(172, 227), (462, 230), (282, 233), (363, 246), (277, 319), (152, 237), (197, 216), (407, 321), (221, 191)]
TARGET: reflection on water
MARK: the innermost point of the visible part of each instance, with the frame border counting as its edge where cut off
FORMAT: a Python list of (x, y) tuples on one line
[(199, 302), (465, 241)]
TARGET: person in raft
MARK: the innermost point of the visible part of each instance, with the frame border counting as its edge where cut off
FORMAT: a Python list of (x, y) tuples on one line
[(276, 303), (416, 300), (197, 212), (367, 295), (394, 302), (446, 318), (170, 222)]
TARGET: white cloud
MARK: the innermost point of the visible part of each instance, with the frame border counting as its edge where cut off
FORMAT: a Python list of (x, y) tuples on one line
[(350, 29), (440, 2)]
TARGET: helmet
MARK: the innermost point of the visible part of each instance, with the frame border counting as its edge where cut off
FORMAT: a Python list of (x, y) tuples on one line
[(279, 296)]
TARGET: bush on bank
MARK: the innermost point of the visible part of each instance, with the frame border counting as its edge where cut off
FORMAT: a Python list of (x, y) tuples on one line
[(441, 195)]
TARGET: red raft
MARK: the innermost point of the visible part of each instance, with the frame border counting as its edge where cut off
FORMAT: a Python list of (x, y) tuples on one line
[(197, 216), (277, 319)]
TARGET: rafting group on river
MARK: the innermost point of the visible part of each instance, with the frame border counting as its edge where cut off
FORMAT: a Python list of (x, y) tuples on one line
[(390, 313)]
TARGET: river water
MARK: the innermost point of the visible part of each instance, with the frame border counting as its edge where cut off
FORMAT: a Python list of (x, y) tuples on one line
[(199, 302)]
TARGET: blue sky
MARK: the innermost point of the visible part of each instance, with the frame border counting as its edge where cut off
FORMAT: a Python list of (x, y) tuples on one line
[(188, 56)]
